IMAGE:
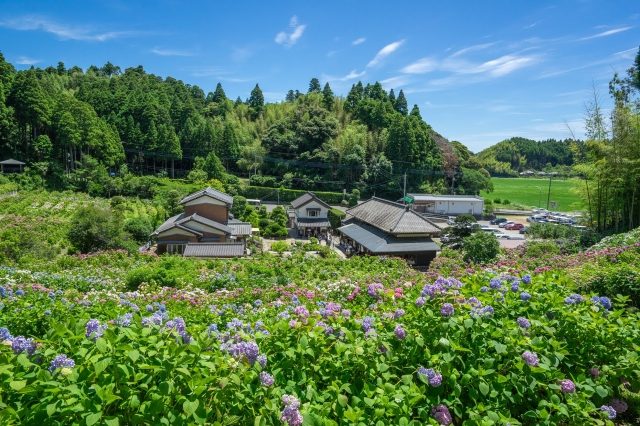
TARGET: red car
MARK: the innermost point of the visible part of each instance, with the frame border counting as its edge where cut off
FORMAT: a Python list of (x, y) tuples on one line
[(514, 226)]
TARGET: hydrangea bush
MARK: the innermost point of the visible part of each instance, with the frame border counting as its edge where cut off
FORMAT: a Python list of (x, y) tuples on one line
[(382, 349)]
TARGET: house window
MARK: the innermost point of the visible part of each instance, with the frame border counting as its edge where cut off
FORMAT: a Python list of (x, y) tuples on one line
[(175, 248), (313, 212)]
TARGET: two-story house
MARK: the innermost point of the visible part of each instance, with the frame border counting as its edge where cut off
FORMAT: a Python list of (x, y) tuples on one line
[(311, 215), (205, 228)]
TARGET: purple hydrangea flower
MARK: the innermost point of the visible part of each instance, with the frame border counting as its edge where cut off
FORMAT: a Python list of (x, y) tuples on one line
[(213, 329), (603, 301), (94, 329), (442, 415), (19, 292), (573, 299), (398, 313), (375, 289), (367, 324), (515, 287), (484, 289), (61, 361), (447, 310), (420, 301), (124, 320), (526, 279), (21, 344), (594, 371), (567, 386), (523, 322), (301, 311), (262, 360), (291, 413), (245, 350), (266, 379), (530, 358), (400, 332), (610, 411), (433, 377), (495, 283), (619, 405), (4, 334), (525, 296)]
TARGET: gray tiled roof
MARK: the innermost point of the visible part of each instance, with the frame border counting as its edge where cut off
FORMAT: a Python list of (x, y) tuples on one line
[(392, 217), (239, 228), (306, 198), (214, 193), (378, 242), (180, 220), (431, 197), (313, 222), (12, 162), (214, 250)]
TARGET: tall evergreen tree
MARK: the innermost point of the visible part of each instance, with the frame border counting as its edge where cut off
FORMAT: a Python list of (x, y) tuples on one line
[(219, 95), (314, 86), (392, 97), (401, 104), (415, 111), (354, 97), (230, 148), (291, 96), (327, 96), (256, 101)]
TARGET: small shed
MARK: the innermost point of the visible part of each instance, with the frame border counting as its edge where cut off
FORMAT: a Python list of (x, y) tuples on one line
[(11, 166)]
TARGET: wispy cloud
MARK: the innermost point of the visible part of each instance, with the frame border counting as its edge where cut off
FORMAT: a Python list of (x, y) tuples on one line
[(25, 60), (240, 54), (474, 48), (171, 52), (62, 31), (351, 76), (397, 81), (606, 33), (358, 41), (624, 55), (421, 66), (295, 32), (220, 74), (384, 52)]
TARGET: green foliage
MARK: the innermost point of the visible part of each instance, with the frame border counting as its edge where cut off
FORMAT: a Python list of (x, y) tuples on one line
[(532, 192), (94, 228), (480, 247), (280, 246), (335, 217), (139, 228)]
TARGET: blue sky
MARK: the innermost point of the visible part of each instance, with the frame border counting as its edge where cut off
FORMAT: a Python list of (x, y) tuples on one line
[(479, 71)]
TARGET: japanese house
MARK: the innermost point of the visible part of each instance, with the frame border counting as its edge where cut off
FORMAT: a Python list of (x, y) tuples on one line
[(382, 227), (310, 215), (205, 229)]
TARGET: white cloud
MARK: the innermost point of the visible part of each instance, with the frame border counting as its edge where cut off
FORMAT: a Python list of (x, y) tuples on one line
[(290, 38), (358, 41), (504, 65), (397, 81), (474, 48), (64, 32), (421, 66), (171, 52), (384, 52), (25, 60), (351, 76), (606, 33)]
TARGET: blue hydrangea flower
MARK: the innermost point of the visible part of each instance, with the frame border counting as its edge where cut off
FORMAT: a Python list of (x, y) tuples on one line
[(447, 310), (367, 324), (400, 332), (21, 344), (495, 283), (526, 279), (610, 411), (530, 358), (4, 334), (266, 379), (124, 320), (94, 329), (61, 361), (525, 296), (573, 299)]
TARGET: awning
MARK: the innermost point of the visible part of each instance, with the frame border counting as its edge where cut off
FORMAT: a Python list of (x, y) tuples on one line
[(214, 250)]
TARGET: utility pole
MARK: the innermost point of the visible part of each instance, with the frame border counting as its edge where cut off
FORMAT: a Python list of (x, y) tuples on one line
[(549, 193), (404, 189)]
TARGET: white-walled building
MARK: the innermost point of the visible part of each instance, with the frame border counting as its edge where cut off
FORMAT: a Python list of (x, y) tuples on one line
[(451, 205), (311, 215)]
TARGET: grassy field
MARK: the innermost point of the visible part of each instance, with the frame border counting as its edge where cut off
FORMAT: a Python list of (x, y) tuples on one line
[(532, 192)]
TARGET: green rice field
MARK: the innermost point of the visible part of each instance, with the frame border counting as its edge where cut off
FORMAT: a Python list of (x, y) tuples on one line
[(532, 192)]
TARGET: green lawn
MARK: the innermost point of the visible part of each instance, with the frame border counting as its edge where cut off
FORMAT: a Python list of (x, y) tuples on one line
[(532, 192)]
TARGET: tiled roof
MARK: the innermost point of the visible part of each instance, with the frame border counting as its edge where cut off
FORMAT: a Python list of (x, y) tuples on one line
[(180, 220), (314, 222), (306, 198), (431, 197), (239, 228), (12, 162), (213, 193), (392, 217), (214, 250), (378, 242)]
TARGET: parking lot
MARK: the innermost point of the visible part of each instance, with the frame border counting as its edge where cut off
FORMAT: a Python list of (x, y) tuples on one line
[(508, 243)]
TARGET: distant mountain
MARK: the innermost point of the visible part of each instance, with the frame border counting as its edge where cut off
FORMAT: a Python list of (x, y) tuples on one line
[(512, 156)]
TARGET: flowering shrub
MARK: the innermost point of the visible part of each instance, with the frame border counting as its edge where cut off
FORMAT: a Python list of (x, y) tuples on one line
[(383, 345)]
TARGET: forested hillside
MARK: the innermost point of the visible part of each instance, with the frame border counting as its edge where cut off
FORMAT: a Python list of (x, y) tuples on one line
[(73, 126), (514, 155)]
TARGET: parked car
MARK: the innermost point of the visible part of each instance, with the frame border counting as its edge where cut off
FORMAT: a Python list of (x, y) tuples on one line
[(451, 220), (503, 224), (515, 237), (502, 236), (514, 226), (523, 230), (498, 220)]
